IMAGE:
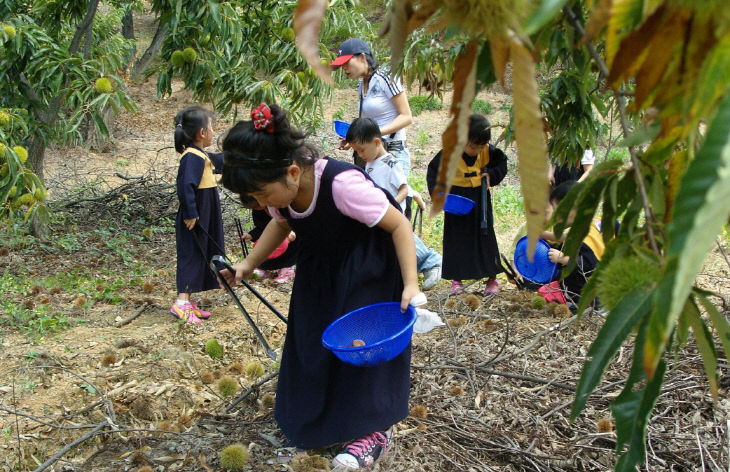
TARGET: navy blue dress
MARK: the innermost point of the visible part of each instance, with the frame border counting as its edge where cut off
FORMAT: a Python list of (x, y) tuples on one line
[(193, 273), (468, 253), (342, 265)]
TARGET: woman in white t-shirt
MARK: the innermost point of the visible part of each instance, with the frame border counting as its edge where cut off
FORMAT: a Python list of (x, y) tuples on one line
[(382, 97)]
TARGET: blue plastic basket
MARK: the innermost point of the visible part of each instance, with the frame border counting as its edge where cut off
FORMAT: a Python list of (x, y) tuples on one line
[(540, 270), (384, 329), (458, 205), (341, 128)]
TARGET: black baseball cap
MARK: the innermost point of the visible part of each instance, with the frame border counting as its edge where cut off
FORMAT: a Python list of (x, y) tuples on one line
[(348, 49)]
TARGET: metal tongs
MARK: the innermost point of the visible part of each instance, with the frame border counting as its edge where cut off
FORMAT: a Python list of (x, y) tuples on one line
[(218, 263)]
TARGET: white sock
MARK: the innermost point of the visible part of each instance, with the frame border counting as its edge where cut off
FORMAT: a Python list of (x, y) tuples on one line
[(181, 302)]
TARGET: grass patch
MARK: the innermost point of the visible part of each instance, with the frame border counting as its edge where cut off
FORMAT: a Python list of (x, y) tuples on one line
[(482, 106), (421, 103)]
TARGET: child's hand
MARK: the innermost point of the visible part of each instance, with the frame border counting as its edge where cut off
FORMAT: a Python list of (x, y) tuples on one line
[(242, 272), (409, 291), (557, 257), (344, 145), (246, 238), (190, 223)]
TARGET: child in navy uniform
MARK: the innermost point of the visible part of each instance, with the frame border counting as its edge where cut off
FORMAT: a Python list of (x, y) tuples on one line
[(356, 249), (385, 170), (470, 253), (199, 223), (590, 252)]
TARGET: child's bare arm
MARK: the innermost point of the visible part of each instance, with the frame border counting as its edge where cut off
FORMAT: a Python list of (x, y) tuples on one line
[(419, 200), (398, 226), (402, 193)]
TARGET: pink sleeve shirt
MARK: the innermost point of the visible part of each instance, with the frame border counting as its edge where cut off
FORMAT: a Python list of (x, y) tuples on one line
[(354, 195)]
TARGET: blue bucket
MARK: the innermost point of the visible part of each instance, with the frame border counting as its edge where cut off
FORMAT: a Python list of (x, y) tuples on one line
[(384, 329), (540, 270), (341, 128), (458, 205)]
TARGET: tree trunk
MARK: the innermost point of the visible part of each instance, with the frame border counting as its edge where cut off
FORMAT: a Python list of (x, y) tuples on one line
[(151, 53), (128, 33), (36, 152), (93, 139)]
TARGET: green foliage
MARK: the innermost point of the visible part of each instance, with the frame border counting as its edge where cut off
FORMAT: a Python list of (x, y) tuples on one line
[(419, 103), (22, 194), (481, 106), (247, 55), (36, 321), (59, 91), (507, 201)]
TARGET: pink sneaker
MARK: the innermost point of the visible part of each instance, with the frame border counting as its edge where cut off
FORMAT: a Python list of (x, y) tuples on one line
[(364, 452), (457, 288), (185, 312), (285, 276), (491, 287), (202, 314)]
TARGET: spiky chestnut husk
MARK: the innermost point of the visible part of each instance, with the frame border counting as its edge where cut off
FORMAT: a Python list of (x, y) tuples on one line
[(177, 59), (189, 55), (254, 369), (214, 349), (22, 153), (103, 85), (234, 457), (227, 386)]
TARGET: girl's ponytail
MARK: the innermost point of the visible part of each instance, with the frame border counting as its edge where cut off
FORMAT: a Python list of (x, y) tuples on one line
[(187, 124)]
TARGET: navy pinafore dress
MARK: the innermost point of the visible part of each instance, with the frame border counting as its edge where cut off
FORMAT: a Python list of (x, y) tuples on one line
[(197, 192), (342, 265)]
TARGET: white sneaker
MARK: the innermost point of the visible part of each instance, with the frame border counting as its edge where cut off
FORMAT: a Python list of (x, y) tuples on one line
[(431, 277)]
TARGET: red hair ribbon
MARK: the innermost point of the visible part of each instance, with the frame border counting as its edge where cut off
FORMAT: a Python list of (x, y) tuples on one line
[(261, 116)]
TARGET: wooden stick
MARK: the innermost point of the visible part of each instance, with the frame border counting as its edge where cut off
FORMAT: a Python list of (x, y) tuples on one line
[(251, 389), (136, 314), (63, 451)]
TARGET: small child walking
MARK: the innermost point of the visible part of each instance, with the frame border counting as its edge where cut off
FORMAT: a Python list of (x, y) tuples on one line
[(356, 249), (385, 170), (199, 223), (469, 252)]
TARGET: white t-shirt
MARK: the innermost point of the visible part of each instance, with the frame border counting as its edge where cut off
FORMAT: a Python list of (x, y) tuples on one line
[(377, 105), (588, 157), (387, 173)]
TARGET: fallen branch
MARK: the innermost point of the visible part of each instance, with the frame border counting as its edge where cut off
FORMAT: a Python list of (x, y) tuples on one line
[(531, 344), (70, 446), (134, 316), (250, 390)]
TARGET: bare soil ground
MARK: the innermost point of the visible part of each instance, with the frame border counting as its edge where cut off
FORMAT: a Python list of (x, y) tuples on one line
[(491, 391)]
